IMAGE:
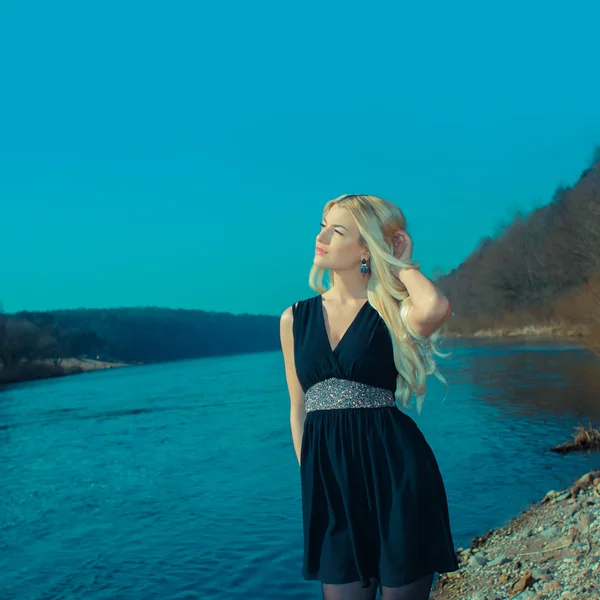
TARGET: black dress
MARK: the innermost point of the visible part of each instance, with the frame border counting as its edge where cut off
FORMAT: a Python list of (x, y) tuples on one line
[(373, 499)]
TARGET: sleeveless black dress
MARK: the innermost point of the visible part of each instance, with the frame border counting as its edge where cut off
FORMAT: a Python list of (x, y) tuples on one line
[(373, 499)]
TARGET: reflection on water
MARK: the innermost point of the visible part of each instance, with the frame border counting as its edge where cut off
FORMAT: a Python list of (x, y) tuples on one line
[(550, 378), (180, 481)]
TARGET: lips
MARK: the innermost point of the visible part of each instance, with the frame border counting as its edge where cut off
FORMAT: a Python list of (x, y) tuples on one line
[(320, 250)]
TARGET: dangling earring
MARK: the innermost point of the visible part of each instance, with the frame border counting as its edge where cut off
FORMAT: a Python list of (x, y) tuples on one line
[(364, 267)]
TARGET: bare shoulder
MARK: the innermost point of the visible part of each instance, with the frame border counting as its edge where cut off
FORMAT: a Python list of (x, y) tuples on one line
[(287, 315), (286, 322)]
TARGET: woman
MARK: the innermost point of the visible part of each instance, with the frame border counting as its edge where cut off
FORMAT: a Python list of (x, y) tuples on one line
[(374, 506)]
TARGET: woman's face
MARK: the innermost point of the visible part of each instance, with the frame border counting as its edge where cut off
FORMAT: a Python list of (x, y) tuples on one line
[(338, 243)]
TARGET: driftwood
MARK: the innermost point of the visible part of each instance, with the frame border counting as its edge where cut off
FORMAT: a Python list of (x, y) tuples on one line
[(583, 440)]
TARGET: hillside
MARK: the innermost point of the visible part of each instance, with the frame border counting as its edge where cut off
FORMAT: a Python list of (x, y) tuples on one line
[(542, 268)]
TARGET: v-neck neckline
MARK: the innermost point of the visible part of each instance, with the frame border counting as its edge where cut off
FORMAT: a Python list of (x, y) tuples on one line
[(324, 325)]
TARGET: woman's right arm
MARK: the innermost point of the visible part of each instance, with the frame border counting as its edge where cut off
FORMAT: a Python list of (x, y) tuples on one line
[(297, 410)]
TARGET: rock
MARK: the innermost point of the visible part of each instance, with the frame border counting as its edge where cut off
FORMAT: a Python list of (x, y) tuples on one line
[(563, 496), (540, 573), (499, 560), (551, 586), (560, 543), (526, 595), (477, 560), (585, 521), (550, 532), (524, 582), (544, 559), (504, 577)]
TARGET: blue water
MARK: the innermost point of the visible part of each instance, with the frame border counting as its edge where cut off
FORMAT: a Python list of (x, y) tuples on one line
[(180, 481)]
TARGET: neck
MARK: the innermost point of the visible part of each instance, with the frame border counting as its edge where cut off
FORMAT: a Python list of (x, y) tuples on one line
[(348, 286)]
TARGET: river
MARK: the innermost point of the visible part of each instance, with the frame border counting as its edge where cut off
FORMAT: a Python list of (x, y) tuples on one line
[(179, 480)]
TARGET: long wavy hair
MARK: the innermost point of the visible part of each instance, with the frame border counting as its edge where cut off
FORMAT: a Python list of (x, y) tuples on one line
[(377, 221)]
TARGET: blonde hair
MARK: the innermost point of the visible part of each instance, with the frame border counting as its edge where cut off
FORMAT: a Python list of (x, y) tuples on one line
[(377, 221)]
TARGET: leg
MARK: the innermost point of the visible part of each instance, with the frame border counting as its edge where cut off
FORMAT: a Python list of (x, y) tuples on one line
[(350, 591), (417, 590)]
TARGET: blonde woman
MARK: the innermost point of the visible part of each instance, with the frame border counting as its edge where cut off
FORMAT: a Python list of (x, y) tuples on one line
[(374, 506)]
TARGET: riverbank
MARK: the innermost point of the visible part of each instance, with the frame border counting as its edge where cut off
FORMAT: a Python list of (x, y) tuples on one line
[(88, 364), (550, 551), (547, 331), (45, 369)]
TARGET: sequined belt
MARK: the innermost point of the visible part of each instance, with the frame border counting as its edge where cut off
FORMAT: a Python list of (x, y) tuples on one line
[(342, 393)]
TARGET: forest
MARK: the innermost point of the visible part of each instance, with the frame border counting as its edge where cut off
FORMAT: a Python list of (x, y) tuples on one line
[(539, 274), (34, 344)]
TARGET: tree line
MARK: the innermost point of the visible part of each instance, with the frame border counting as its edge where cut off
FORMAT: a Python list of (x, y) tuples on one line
[(131, 335)]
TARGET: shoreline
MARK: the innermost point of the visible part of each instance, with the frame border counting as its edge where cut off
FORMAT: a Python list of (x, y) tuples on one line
[(543, 332), (46, 369), (551, 550), (90, 364)]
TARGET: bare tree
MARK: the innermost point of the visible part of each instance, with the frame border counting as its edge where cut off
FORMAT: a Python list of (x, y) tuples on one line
[(20, 342), (2, 339), (595, 156), (560, 193)]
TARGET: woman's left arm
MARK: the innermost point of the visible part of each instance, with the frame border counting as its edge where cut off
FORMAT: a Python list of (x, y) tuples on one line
[(430, 308)]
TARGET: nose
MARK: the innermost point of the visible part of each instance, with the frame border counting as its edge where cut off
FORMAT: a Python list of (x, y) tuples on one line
[(322, 238)]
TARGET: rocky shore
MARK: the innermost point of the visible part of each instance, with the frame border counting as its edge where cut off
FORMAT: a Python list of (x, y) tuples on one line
[(550, 551), (557, 331)]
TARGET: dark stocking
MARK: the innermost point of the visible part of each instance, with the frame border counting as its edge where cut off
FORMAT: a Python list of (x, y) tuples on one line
[(417, 590), (350, 591)]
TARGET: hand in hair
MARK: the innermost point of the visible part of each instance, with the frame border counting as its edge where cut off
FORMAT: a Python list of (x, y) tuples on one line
[(403, 245)]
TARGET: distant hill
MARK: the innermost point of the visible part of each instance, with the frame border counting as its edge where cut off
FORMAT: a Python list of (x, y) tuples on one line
[(130, 335), (159, 334), (534, 262)]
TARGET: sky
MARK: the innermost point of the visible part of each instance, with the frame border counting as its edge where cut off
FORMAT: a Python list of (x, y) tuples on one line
[(180, 154)]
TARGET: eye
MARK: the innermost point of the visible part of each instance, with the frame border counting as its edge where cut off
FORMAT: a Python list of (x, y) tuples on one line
[(338, 232)]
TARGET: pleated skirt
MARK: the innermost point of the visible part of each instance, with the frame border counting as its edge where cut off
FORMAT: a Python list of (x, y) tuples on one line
[(373, 499)]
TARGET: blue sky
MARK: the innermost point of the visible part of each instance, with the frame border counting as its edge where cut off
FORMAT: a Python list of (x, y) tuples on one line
[(179, 154)]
